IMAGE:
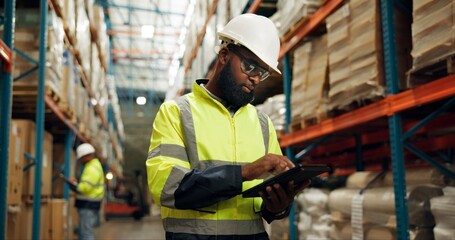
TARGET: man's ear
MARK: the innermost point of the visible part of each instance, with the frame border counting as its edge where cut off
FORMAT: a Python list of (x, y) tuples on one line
[(223, 55)]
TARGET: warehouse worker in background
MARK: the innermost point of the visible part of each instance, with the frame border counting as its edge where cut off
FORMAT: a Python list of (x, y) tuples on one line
[(89, 189), (210, 145)]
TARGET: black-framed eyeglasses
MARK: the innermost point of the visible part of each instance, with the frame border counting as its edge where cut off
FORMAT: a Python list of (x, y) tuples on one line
[(250, 68)]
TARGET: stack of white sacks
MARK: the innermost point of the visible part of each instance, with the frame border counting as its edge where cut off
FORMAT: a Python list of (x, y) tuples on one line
[(314, 220), (275, 108), (371, 215), (443, 209)]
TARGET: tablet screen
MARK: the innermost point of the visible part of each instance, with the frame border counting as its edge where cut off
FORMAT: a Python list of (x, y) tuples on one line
[(298, 174)]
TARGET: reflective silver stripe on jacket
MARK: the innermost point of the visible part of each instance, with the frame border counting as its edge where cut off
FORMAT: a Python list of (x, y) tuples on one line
[(83, 197), (169, 150), (214, 227), (189, 134), (93, 185), (167, 195), (263, 120)]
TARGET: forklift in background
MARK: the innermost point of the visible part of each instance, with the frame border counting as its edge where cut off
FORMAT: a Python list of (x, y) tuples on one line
[(125, 201)]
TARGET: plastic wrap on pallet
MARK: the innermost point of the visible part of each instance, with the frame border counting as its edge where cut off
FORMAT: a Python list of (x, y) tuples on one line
[(275, 108), (310, 80), (101, 30), (83, 37), (432, 30), (69, 78), (96, 82), (443, 209), (356, 70), (416, 176), (379, 206), (69, 15), (290, 12)]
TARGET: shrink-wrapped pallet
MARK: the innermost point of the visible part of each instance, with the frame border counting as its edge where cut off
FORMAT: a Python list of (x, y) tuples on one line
[(290, 12), (310, 80), (83, 37), (379, 204), (432, 31), (355, 59)]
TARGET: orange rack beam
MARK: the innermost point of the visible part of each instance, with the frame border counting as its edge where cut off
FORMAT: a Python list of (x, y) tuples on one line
[(430, 92), (56, 110), (6, 56), (254, 6), (306, 27)]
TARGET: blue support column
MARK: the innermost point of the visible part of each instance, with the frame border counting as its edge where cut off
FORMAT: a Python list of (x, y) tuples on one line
[(40, 121), (287, 84), (66, 169), (395, 124), (5, 114)]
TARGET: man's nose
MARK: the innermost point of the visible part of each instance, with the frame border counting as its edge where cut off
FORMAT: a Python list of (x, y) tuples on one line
[(255, 78)]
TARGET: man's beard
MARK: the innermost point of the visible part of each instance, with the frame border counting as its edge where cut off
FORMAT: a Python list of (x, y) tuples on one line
[(232, 92)]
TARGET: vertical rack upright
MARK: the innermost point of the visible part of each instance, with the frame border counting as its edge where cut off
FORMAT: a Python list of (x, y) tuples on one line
[(5, 106)]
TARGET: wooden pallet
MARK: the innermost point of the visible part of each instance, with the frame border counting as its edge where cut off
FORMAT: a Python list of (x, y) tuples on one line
[(28, 199), (431, 70), (66, 109), (31, 90), (308, 121)]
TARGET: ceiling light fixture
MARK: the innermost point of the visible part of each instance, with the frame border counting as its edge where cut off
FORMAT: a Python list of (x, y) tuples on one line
[(141, 100), (147, 31)]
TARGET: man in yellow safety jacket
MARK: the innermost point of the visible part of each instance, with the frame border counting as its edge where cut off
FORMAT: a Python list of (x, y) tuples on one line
[(89, 189), (210, 145)]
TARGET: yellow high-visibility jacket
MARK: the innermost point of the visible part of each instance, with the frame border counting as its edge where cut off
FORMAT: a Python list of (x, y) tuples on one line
[(90, 189), (194, 164)]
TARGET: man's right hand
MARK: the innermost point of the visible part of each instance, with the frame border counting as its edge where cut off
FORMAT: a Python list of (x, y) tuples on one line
[(270, 163)]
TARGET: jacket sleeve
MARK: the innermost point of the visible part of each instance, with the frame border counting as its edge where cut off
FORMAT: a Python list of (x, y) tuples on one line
[(172, 181)]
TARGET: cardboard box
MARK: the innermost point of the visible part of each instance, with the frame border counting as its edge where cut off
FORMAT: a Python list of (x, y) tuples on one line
[(58, 212), (15, 163), (29, 175), (26, 221)]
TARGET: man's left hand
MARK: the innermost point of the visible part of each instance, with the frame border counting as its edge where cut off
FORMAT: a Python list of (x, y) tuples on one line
[(277, 199)]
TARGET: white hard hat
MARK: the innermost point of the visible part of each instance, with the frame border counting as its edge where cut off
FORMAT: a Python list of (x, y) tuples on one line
[(257, 33), (84, 149)]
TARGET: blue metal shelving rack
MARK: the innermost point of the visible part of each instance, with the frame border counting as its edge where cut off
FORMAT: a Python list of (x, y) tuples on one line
[(398, 139), (5, 110)]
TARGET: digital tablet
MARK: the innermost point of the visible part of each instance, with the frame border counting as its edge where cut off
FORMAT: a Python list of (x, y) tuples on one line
[(298, 174)]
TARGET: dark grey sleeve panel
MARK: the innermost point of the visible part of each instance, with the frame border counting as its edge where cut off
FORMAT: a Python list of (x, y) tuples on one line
[(200, 189)]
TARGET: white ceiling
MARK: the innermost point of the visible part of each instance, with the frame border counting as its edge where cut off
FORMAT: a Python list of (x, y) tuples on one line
[(144, 63)]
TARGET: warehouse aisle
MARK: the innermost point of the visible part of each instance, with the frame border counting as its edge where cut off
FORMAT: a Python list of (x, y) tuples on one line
[(150, 228)]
